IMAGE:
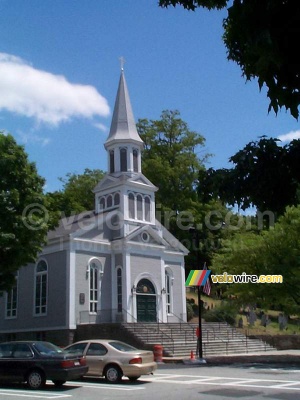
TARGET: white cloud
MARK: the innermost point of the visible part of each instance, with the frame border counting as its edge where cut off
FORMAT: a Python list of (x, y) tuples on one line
[(101, 127), (32, 138), (43, 96), (288, 137)]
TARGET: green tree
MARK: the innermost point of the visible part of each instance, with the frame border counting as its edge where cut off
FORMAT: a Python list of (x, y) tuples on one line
[(259, 36), (171, 162), (77, 193), (24, 217), (272, 252), (265, 175), (170, 159)]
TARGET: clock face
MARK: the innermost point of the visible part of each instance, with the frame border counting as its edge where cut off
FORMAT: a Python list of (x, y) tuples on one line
[(145, 237)]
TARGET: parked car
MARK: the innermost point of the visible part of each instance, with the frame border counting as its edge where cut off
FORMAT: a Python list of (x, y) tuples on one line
[(114, 359), (34, 362)]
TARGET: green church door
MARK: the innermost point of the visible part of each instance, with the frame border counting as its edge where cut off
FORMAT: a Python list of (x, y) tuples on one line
[(146, 301)]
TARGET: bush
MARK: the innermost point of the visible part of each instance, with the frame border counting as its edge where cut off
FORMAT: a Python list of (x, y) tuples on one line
[(189, 311), (224, 313)]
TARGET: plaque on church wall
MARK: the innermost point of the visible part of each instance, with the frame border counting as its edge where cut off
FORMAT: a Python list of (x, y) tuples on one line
[(81, 298)]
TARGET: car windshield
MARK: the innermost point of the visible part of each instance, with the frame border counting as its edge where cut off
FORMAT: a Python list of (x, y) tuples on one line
[(46, 348), (122, 346)]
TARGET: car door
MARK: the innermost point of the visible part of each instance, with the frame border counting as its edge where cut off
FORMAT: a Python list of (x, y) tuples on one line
[(77, 349), (23, 360), (6, 361), (95, 357)]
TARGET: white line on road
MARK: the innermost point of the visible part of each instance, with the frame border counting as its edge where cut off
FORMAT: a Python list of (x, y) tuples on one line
[(105, 386), (35, 395), (227, 381)]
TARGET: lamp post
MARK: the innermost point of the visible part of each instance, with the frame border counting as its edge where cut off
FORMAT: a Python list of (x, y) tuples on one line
[(196, 238)]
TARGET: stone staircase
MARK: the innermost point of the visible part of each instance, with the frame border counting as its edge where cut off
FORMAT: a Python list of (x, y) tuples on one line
[(179, 339)]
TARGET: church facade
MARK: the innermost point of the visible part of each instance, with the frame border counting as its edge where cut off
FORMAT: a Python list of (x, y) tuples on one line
[(113, 264)]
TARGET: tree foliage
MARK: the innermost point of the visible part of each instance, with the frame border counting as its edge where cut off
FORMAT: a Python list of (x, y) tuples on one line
[(77, 194), (171, 162), (24, 217), (265, 175), (170, 159), (272, 252), (259, 36)]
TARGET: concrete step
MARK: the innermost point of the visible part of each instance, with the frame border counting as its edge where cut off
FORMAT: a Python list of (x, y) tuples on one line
[(178, 339)]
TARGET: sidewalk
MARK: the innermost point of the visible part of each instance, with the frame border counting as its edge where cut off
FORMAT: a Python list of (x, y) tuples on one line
[(265, 357)]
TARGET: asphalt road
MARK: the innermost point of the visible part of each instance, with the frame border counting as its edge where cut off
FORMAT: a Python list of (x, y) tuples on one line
[(179, 382)]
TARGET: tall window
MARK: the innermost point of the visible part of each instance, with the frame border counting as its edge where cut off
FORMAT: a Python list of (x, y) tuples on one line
[(102, 203), (93, 288), (117, 199), (168, 281), (41, 277), (123, 159), (139, 206), (95, 274), (12, 301), (119, 289), (135, 160), (111, 161), (147, 209), (109, 201), (131, 206)]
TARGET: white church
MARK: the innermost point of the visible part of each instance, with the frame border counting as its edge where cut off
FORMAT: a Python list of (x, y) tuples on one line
[(113, 264)]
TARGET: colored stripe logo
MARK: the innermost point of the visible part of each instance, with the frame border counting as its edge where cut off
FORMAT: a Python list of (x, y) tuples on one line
[(197, 277)]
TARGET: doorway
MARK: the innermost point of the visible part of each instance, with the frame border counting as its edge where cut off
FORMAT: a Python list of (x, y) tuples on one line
[(146, 301)]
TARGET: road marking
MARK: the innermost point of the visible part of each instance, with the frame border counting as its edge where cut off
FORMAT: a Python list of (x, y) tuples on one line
[(100, 385), (226, 381), (35, 395)]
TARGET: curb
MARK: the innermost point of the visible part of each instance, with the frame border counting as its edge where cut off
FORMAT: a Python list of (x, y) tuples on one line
[(237, 359)]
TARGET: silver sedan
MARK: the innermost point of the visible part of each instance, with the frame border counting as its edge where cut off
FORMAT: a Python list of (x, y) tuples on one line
[(114, 359)]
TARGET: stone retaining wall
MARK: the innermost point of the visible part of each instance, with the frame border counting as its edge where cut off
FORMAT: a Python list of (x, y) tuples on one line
[(280, 342)]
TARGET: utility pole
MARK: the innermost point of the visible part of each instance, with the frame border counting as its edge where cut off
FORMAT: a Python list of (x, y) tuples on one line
[(196, 238)]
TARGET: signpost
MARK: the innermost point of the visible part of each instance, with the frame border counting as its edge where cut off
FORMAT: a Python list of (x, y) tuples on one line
[(199, 278)]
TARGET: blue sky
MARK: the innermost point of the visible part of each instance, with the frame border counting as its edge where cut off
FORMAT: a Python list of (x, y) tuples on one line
[(59, 71)]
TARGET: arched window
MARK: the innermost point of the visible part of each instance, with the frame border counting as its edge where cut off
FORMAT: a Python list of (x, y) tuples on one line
[(116, 199), (135, 160), (95, 274), (109, 201), (119, 289), (145, 287), (111, 161), (12, 300), (123, 159), (41, 278), (147, 209), (102, 203), (139, 206), (168, 283), (131, 208)]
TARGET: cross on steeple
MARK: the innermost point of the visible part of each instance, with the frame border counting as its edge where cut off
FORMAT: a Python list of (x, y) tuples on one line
[(122, 62)]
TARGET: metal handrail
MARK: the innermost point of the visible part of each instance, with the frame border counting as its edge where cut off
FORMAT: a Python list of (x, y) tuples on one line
[(164, 336), (209, 333)]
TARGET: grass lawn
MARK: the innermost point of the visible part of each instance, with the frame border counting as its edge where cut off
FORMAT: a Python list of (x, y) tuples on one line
[(256, 329)]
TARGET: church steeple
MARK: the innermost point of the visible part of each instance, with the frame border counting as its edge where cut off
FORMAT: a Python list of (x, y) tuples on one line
[(124, 187), (123, 128), (123, 144)]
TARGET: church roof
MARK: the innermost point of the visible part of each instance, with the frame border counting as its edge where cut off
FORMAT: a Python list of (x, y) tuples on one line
[(123, 128)]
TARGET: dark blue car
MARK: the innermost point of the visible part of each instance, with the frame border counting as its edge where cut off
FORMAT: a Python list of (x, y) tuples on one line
[(34, 362)]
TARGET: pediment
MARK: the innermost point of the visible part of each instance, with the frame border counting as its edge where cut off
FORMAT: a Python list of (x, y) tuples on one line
[(145, 235), (149, 235), (110, 181), (107, 182), (141, 179)]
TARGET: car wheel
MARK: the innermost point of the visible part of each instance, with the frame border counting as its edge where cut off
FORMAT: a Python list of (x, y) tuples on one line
[(113, 374), (58, 383), (36, 379), (133, 378)]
